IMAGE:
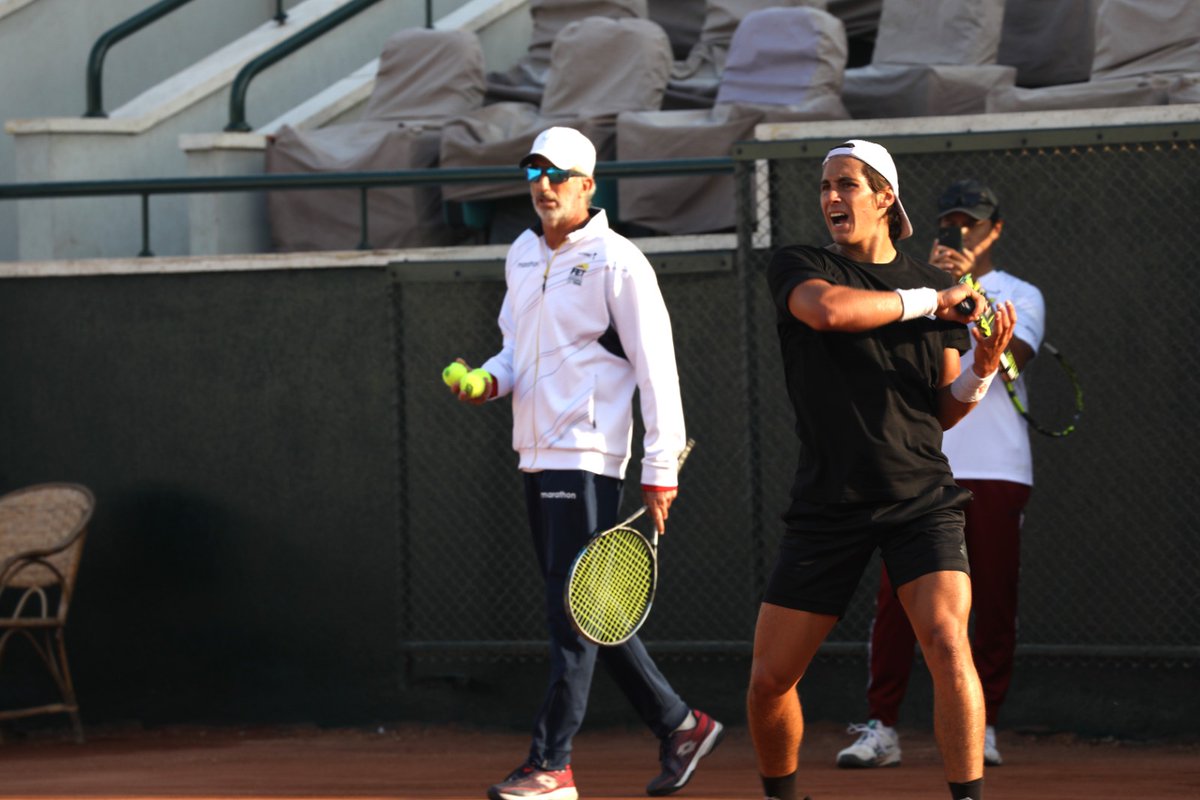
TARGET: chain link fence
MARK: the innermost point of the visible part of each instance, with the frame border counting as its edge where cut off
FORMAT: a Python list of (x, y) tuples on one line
[(1110, 548)]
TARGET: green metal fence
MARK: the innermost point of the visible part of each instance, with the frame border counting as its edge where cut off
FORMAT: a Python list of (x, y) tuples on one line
[(1098, 220), (285, 485)]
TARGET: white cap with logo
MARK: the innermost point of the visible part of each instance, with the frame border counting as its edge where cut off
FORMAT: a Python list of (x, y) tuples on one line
[(879, 159), (565, 148)]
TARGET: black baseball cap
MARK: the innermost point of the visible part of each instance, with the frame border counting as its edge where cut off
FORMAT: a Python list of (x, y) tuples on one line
[(972, 198)]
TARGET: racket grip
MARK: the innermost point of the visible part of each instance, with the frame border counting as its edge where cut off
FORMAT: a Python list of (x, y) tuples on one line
[(967, 305)]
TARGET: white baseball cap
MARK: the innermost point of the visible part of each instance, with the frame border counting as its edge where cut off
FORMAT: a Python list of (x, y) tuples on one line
[(565, 148), (878, 158)]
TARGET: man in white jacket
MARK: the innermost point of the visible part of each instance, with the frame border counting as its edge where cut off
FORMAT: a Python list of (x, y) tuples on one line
[(584, 324)]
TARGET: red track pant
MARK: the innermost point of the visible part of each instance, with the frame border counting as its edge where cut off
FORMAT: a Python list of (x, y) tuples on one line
[(993, 532)]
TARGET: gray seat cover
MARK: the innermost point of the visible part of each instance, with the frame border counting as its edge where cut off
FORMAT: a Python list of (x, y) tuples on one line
[(784, 64), (931, 57), (1144, 51), (525, 80), (637, 61), (424, 77), (695, 80)]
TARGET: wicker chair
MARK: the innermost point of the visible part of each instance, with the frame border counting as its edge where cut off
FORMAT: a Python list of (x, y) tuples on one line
[(42, 530)]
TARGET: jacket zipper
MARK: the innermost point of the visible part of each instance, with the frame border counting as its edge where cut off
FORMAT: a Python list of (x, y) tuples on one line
[(537, 355)]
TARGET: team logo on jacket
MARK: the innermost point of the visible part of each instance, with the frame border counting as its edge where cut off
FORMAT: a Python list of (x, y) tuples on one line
[(577, 273)]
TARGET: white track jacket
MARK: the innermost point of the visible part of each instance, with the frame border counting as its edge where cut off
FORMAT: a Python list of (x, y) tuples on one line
[(572, 397)]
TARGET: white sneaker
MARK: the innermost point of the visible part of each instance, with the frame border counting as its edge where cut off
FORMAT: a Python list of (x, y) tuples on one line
[(877, 746), (991, 756)]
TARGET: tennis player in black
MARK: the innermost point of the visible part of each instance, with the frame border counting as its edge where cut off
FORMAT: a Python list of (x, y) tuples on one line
[(871, 341)]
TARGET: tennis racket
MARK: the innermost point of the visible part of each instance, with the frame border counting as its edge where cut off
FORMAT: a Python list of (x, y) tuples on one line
[(1007, 362), (1009, 365), (1062, 401), (611, 585)]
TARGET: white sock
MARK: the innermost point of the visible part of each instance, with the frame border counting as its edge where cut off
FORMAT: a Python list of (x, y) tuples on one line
[(688, 723)]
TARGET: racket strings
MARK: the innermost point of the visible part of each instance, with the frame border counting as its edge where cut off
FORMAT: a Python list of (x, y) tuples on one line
[(611, 586)]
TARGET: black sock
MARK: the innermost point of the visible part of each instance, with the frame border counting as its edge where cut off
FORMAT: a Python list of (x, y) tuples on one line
[(781, 788), (967, 791)]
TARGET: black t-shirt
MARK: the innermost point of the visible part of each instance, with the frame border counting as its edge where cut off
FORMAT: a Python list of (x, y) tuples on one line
[(865, 402)]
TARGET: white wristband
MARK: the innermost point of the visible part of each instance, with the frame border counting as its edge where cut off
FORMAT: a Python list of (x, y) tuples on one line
[(970, 388), (917, 303)]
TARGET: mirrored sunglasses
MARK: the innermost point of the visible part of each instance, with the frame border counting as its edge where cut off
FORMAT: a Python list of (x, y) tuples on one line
[(553, 174)]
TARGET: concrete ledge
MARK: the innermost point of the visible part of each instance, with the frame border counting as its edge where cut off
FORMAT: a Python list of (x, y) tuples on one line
[(190, 142), (653, 247), (979, 123)]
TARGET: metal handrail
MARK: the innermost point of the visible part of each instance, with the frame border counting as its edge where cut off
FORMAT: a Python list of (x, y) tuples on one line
[(95, 63), (363, 181), (241, 83)]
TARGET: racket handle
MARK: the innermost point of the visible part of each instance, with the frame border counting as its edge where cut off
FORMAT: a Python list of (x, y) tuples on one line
[(967, 305), (687, 449)]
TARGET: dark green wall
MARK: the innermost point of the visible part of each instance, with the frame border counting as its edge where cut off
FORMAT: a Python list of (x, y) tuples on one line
[(239, 432)]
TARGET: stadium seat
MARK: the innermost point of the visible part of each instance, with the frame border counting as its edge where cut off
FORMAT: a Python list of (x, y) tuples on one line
[(696, 79), (636, 60), (42, 531), (682, 20), (1050, 44), (1144, 52), (932, 57), (784, 65), (425, 77), (861, 19), (525, 80)]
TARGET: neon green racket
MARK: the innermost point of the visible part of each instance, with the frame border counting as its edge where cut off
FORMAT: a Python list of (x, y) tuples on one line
[(612, 581)]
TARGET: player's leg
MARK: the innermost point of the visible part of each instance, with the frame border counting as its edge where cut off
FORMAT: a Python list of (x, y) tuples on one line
[(938, 605), (813, 580), (648, 691), (631, 667), (926, 558), (565, 508), (785, 641), (560, 511), (892, 646)]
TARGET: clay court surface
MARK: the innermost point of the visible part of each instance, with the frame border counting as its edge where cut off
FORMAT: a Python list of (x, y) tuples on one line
[(408, 762)]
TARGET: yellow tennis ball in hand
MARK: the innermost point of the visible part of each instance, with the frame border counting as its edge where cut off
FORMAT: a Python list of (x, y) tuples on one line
[(454, 373), (475, 383)]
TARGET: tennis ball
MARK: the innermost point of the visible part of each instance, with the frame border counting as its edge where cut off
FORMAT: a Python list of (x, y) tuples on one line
[(475, 383), (453, 373)]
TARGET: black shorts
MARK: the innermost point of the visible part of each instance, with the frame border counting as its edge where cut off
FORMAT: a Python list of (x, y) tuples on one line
[(820, 565)]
